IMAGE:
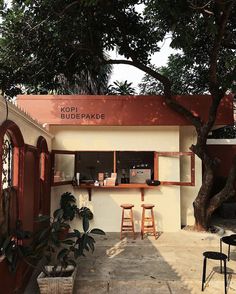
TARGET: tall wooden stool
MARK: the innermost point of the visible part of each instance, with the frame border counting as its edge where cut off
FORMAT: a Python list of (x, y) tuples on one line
[(127, 220), (148, 222)]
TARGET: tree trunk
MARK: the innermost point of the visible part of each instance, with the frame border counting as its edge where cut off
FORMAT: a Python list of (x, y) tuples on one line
[(205, 203), (226, 193), (201, 202)]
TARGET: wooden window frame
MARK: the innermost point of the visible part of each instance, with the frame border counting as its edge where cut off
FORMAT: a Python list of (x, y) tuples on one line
[(53, 153), (157, 154), (172, 154)]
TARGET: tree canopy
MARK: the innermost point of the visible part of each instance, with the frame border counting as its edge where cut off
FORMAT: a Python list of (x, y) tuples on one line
[(43, 48), (203, 30), (186, 77), (47, 43)]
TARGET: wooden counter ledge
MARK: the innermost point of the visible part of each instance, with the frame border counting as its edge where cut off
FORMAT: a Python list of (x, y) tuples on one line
[(142, 187)]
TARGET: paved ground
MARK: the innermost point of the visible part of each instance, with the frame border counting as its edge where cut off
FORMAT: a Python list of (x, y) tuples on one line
[(171, 264)]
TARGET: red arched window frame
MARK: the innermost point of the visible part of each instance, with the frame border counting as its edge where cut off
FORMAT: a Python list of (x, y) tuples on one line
[(13, 131), (43, 159), (42, 148)]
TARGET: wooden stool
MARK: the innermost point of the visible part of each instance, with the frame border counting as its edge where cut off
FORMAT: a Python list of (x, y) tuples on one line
[(127, 221), (150, 226)]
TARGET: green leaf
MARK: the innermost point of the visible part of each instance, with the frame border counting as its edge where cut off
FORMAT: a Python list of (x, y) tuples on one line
[(85, 224), (86, 247), (58, 213), (62, 253), (77, 233), (43, 234), (77, 253), (9, 257), (91, 242), (6, 243), (56, 226), (55, 239), (97, 232), (41, 246), (68, 242), (42, 218), (72, 262)]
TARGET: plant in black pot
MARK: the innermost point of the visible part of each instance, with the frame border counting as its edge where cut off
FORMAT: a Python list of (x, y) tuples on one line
[(58, 274)]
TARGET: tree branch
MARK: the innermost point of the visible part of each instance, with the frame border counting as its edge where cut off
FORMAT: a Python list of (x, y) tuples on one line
[(216, 92), (195, 6), (68, 7), (173, 103), (216, 48)]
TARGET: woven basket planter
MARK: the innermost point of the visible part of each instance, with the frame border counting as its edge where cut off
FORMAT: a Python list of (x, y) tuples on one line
[(56, 285)]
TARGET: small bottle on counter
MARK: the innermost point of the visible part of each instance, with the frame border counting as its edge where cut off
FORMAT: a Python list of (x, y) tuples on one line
[(96, 183)]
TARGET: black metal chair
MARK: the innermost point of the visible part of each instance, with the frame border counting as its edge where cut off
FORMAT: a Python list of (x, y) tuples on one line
[(216, 256), (230, 241)]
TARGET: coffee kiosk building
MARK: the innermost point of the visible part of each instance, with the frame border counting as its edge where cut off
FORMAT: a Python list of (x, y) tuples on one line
[(133, 137)]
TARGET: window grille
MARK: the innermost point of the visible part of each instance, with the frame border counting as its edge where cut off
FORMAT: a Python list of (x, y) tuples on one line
[(7, 162)]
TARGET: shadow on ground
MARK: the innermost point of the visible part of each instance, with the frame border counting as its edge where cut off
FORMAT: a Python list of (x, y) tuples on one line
[(172, 264), (127, 266)]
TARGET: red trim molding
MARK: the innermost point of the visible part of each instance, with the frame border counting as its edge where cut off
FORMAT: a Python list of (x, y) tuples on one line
[(42, 145), (14, 132)]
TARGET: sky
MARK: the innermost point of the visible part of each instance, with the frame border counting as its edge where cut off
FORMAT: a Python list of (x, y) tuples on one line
[(123, 72)]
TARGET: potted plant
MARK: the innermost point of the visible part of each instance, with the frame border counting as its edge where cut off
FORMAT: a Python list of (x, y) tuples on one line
[(61, 254)]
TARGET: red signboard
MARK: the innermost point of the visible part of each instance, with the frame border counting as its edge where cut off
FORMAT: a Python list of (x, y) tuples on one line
[(119, 110)]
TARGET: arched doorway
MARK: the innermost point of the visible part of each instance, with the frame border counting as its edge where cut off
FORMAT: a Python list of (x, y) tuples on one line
[(43, 203), (11, 194)]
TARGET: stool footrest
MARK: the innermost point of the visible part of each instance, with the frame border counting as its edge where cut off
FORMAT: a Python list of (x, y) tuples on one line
[(148, 221), (127, 221)]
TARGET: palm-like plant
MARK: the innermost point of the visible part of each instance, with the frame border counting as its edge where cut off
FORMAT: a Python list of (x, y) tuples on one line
[(121, 88)]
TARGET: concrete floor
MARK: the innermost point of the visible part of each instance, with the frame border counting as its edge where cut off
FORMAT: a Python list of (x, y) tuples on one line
[(171, 264)]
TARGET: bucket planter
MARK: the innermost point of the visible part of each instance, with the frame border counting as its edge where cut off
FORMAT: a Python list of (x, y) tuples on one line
[(61, 284)]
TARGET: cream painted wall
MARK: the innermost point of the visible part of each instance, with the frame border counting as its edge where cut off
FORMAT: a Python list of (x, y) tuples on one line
[(107, 211), (106, 204), (30, 129), (115, 138), (189, 193)]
